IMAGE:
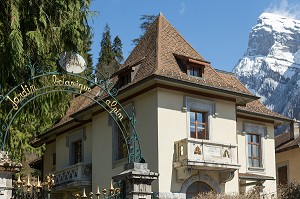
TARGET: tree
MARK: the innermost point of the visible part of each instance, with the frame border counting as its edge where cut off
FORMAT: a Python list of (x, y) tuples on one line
[(117, 49), (37, 32), (110, 54), (147, 21), (106, 53)]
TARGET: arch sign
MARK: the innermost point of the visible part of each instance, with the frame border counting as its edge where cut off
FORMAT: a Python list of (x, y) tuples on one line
[(70, 81)]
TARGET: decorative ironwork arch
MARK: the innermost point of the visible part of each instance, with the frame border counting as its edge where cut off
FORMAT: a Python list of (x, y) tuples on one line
[(68, 82)]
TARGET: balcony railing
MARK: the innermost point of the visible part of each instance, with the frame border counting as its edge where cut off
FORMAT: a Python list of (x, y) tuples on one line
[(80, 172), (205, 155)]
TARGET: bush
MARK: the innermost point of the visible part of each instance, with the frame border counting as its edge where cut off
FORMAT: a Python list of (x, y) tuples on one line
[(211, 195), (289, 191)]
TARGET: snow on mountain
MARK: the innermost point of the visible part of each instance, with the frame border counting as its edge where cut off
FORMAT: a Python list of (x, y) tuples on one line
[(270, 67)]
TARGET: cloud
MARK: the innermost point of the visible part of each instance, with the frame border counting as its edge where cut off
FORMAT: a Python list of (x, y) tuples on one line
[(283, 8), (182, 8)]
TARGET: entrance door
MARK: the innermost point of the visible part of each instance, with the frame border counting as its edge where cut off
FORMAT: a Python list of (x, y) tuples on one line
[(196, 188)]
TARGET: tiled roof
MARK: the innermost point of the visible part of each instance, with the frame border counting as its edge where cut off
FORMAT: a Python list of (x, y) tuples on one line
[(251, 176), (159, 46), (78, 103), (258, 108), (284, 142), (156, 53), (282, 138)]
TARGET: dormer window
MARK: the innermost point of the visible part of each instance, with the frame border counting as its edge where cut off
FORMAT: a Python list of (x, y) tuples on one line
[(127, 73), (193, 70), (191, 66), (126, 78)]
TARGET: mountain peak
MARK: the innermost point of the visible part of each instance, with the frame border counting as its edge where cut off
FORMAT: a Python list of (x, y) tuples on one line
[(270, 67)]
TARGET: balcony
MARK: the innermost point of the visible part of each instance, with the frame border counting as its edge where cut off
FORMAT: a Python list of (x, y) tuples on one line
[(73, 177), (197, 154)]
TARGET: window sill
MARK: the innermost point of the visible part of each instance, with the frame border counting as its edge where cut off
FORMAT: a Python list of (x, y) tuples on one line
[(256, 169), (118, 163)]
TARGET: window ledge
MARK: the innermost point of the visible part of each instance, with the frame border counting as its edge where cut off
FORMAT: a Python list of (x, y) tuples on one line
[(256, 169)]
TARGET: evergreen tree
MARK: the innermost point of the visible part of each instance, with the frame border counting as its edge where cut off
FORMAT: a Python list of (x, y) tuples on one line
[(147, 21), (106, 54), (37, 32), (117, 49), (110, 54)]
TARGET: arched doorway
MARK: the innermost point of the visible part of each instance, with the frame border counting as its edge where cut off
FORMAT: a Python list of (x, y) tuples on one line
[(197, 187)]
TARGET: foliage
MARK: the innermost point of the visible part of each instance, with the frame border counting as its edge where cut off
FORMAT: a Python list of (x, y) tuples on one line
[(290, 191), (117, 49), (211, 195), (147, 21), (37, 32), (110, 54)]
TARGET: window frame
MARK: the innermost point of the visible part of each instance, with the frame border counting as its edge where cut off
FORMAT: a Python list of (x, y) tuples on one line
[(116, 134), (192, 67), (75, 136), (200, 105), (77, 151), (261, 131), (204, 122), (251, 155), (280, 165)]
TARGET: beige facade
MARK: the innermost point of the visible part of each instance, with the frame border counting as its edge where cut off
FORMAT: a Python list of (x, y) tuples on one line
[(200, 133), (290, 159)]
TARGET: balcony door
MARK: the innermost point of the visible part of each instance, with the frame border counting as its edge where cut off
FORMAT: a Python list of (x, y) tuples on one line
[(197, 187)]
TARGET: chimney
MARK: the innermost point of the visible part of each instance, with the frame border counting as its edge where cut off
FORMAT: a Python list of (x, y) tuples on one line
[(294, 129)]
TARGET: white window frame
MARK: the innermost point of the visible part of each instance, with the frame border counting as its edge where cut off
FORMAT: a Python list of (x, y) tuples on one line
[(200, 105), (261, 131)]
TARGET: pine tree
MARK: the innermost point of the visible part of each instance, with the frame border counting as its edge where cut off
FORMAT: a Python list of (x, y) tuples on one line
[(110, 54), (106, 54), (37, 32), (117, 49)]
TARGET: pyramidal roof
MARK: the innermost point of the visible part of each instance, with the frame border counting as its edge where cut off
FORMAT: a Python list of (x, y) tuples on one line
[(157, 51)]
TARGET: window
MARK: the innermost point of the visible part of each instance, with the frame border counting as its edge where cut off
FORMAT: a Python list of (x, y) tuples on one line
[(53, 159), (75, 142), (199, 118), (198, 125), (282, 175), (121, 147), (254, 147), (125, 79), (254, 139), (77, 151), (196, 188), (196, 71)]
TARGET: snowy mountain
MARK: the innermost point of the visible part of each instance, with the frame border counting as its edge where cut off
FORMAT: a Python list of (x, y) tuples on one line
[(270, 67)]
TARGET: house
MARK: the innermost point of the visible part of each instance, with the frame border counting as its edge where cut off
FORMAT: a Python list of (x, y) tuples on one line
[(198, 127), (287, 155)]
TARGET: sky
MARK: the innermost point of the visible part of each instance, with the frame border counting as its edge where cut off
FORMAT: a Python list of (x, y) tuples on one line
[(217, 29)]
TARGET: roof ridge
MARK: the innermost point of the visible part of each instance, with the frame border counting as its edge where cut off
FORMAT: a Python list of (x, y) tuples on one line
[(158, 45), (183, 37)]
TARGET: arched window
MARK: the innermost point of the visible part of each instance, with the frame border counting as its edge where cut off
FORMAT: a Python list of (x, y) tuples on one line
[(197, 187)]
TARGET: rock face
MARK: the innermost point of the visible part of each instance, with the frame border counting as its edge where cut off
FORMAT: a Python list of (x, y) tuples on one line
[(270, 67)]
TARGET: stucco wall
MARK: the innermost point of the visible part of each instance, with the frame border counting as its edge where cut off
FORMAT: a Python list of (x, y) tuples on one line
[(291, 159), (48, 162), (173, 126), (267, 154), (146, 114)]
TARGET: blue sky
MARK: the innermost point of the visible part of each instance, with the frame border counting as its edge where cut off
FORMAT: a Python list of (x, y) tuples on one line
[(217, 29)]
